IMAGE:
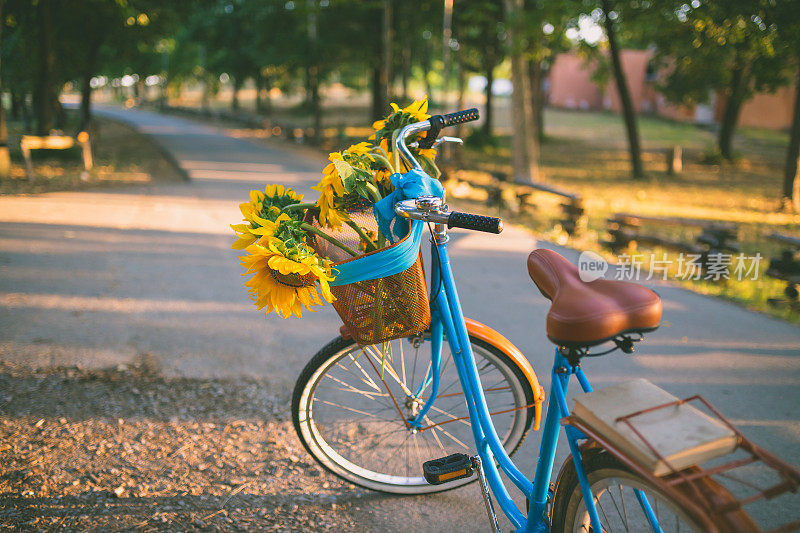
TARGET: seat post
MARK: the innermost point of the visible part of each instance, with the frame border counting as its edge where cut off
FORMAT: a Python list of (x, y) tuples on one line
[(572, 354)]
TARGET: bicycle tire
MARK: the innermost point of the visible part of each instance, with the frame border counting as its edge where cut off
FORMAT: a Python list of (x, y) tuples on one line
[(604, 472), (342, 461)]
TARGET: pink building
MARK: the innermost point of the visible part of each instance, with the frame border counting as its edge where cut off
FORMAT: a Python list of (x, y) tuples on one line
[(571, 87)]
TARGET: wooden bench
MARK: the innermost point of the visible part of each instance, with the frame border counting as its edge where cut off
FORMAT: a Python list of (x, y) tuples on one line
[(515, 196), (56, 142), (786, 268), (716, 237)]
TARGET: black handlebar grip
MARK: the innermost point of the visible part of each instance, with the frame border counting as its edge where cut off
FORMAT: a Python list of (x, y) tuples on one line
[(474, 222), (460, 117)]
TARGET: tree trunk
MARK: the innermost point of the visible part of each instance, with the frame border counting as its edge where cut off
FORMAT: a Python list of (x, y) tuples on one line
[(453, 151), (5, 156), (447, 33), (316, 104), (736, 94), (205, 100), (488, 117), (312, 71), (380, 73), (27, 115), (86, 88), (140, 91), (45, 94), (542, 103), (379, 101), (388, 41), (380, 76), (426, 68), (624, 94), (86, 101), (524, 144), (16, 105), (258, 80), (406, 67), (791, 178), (237, 86), (537, 94)]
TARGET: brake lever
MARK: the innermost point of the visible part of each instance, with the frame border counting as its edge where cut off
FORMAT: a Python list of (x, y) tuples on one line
[(440, 140)]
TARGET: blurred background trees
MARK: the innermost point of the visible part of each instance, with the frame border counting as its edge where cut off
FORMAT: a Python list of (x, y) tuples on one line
[(389, 50)]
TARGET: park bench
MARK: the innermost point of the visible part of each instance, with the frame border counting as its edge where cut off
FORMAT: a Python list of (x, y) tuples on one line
[(786, 268), (572, 209), (516, 196), (56, 142), (715, 237)]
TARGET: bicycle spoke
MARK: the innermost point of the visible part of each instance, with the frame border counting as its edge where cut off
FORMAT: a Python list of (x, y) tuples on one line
[(611, 496), (361, 409), (351, 388), (624, 510), (354, 410), (433, 430), (403, 362), (390, 369)]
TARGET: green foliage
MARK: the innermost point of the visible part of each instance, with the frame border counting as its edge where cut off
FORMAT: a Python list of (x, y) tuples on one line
[(700, 45)]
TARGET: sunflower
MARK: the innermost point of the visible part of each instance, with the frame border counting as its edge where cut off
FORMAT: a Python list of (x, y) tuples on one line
[(263, 214), (330, 188), (417, 110), (361, 149), (285, 276)]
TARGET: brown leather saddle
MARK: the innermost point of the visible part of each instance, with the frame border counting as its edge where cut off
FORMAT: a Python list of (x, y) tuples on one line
[(584, 314)]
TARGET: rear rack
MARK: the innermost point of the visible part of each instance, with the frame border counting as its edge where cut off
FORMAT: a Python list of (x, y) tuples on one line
[(703, 497)]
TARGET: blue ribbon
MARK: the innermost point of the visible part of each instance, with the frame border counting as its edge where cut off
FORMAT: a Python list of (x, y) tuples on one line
[(397, 258), (412, 184)]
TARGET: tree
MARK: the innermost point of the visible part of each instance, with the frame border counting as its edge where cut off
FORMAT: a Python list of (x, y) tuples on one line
[(45, 94), (782, 16), (721, 47), (791, 173), (5, 157), (524, 143), (546, 25), (610, 21), (477, 29)]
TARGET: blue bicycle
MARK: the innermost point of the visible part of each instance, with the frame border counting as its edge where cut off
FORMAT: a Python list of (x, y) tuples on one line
[(459, 399)]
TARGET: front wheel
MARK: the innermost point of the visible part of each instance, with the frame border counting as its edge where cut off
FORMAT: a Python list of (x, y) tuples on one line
[(615, 490), (350, 409)]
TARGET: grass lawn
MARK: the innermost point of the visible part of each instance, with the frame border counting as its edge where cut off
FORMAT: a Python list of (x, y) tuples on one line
[(121, 156), (586, 154)]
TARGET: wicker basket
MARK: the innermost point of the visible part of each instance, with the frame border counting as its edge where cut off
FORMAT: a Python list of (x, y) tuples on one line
[(380, 309)]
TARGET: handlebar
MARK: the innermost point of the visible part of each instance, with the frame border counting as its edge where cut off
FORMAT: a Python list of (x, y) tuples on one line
[(433, 125), (459, 117), (474, 222), (433, 209)]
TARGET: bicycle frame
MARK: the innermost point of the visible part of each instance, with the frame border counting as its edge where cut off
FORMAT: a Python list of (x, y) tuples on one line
[(447, 319)]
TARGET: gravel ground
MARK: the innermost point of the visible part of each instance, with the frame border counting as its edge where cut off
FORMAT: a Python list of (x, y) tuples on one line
[(126, 449)]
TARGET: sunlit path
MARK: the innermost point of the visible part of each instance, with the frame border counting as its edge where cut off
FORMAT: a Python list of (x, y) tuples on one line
[(106, 278)]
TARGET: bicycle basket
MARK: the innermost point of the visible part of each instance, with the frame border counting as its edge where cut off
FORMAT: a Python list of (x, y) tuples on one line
[(377, 307)]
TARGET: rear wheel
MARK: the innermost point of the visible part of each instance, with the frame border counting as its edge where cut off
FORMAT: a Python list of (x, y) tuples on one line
[(613, 487), (351, 418)]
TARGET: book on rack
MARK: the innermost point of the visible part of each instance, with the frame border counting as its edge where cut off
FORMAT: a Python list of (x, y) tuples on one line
[(682, 434)]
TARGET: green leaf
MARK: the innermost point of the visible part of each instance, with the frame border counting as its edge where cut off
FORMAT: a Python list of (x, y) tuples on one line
[(429, 166), (349, 182), (343, 168)]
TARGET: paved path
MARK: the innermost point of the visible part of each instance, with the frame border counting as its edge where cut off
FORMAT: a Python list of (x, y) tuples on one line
[(105, 278)]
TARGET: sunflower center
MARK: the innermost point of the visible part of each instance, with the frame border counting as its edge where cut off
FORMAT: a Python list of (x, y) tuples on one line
[(293, 280)]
